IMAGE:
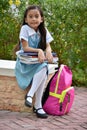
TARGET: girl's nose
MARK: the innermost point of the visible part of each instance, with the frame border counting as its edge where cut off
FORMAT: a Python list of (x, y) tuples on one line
[(34, 18)]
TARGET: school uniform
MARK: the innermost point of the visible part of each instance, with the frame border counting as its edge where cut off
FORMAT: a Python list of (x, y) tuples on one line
[(25, 72)]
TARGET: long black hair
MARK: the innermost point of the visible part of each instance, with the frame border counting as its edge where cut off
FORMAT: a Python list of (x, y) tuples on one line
[(42, 30)]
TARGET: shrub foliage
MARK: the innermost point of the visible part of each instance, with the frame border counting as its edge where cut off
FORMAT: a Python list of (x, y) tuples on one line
[(67, 22)]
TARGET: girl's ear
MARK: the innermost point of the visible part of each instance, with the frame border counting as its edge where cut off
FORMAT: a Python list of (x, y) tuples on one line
[(42, 19), (25, 20)]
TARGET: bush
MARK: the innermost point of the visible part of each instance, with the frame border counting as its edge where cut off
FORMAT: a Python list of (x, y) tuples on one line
[(67, 22)]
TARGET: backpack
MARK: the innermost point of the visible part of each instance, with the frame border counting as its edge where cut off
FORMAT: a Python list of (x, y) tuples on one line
[(58, 96)]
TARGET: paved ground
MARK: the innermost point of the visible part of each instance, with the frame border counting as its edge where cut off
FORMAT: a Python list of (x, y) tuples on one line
[(75, 120)]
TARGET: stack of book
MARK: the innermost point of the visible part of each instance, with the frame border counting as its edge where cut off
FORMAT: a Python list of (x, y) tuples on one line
[(32, 57)]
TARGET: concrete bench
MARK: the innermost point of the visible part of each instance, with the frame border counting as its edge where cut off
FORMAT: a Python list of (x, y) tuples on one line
[(11, 96)]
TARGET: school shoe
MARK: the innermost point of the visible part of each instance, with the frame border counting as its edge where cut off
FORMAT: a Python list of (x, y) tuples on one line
[(40, 115), (27, 103)]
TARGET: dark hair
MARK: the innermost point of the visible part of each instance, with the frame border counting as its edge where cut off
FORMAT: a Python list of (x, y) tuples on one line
[(41, 27)]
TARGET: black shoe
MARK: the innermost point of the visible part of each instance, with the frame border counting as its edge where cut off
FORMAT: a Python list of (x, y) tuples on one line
[(27, 103), (40, 115)]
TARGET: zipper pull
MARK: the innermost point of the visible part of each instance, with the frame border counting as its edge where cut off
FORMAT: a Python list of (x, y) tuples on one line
[(68, 97), (60, 106)]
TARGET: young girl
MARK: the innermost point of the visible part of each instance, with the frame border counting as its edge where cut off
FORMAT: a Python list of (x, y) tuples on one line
[(34, 37)]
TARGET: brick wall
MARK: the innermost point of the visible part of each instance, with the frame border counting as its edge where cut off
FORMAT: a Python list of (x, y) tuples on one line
[(11, 96)]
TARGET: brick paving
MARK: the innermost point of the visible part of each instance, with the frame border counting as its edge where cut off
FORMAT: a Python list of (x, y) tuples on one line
[(75, 120)]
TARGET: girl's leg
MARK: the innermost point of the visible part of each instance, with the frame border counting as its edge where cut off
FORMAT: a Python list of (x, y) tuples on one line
[(38, 95), (37, 81)]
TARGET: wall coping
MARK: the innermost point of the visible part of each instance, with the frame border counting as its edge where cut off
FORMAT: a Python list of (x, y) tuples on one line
[(7, 68)]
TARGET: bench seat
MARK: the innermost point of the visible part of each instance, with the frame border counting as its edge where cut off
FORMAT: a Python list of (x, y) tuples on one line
[(11, 96)]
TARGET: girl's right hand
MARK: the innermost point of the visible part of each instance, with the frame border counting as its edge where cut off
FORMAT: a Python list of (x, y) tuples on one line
[(41, 56)]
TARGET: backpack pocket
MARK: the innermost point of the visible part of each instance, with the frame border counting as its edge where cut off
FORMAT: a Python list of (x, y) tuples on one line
[(59, 104), (68, 100)]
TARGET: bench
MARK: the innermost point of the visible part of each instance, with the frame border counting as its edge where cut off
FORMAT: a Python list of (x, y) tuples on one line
[(11, 96)]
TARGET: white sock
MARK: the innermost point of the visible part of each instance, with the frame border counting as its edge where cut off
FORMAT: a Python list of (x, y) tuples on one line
[(29, 99), (38, 96), (37, 80), (41, 111)]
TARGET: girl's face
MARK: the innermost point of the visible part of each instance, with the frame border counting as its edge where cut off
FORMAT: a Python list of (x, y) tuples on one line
[(33, 18)]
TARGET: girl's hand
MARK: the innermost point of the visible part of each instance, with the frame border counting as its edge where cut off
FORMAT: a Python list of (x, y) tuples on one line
[(41, 56), (49, 56)]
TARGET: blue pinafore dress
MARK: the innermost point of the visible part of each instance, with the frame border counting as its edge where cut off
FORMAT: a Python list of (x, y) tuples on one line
[(25, 72)]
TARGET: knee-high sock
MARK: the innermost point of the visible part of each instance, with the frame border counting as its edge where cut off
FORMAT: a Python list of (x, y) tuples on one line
[(39, 93), (37, 80)]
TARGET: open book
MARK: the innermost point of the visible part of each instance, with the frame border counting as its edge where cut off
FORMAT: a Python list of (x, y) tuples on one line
[(32, 57)]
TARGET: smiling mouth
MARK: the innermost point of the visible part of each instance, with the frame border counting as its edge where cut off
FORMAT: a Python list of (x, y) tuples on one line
[(33, 23)]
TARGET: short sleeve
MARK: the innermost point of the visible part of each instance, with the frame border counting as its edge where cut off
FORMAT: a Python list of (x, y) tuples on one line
[(23, 33), (49, 38)]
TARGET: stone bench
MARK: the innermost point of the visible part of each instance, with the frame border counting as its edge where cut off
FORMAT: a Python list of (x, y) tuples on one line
[(11, 96)]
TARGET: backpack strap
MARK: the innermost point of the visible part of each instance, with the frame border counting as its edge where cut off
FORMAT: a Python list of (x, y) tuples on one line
[(57, 82), (60, 96)]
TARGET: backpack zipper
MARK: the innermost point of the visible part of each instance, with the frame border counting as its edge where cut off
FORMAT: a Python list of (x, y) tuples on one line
[(67, 104)]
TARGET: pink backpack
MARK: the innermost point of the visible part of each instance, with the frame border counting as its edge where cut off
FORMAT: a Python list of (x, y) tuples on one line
[(59, 95)]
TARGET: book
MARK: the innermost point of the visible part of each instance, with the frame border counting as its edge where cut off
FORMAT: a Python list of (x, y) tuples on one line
[(22, 53), (32, 57)]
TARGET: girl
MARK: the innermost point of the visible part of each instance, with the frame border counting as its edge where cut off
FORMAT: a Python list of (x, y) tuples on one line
[(34, 37)]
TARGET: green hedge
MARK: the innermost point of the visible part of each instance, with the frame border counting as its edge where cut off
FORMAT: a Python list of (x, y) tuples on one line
[(66, 20)]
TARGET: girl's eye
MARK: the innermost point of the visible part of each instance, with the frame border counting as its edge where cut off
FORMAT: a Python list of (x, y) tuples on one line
[(30, 16), (36, 16)]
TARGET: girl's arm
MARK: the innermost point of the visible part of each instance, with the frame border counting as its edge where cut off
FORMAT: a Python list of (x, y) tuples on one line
[(26, 48), (49, 56)]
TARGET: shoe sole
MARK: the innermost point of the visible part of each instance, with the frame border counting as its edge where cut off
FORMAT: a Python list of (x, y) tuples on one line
[(41, 116), (28, 104)]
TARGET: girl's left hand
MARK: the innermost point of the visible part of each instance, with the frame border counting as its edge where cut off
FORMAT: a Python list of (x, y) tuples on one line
[(49, 56)]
